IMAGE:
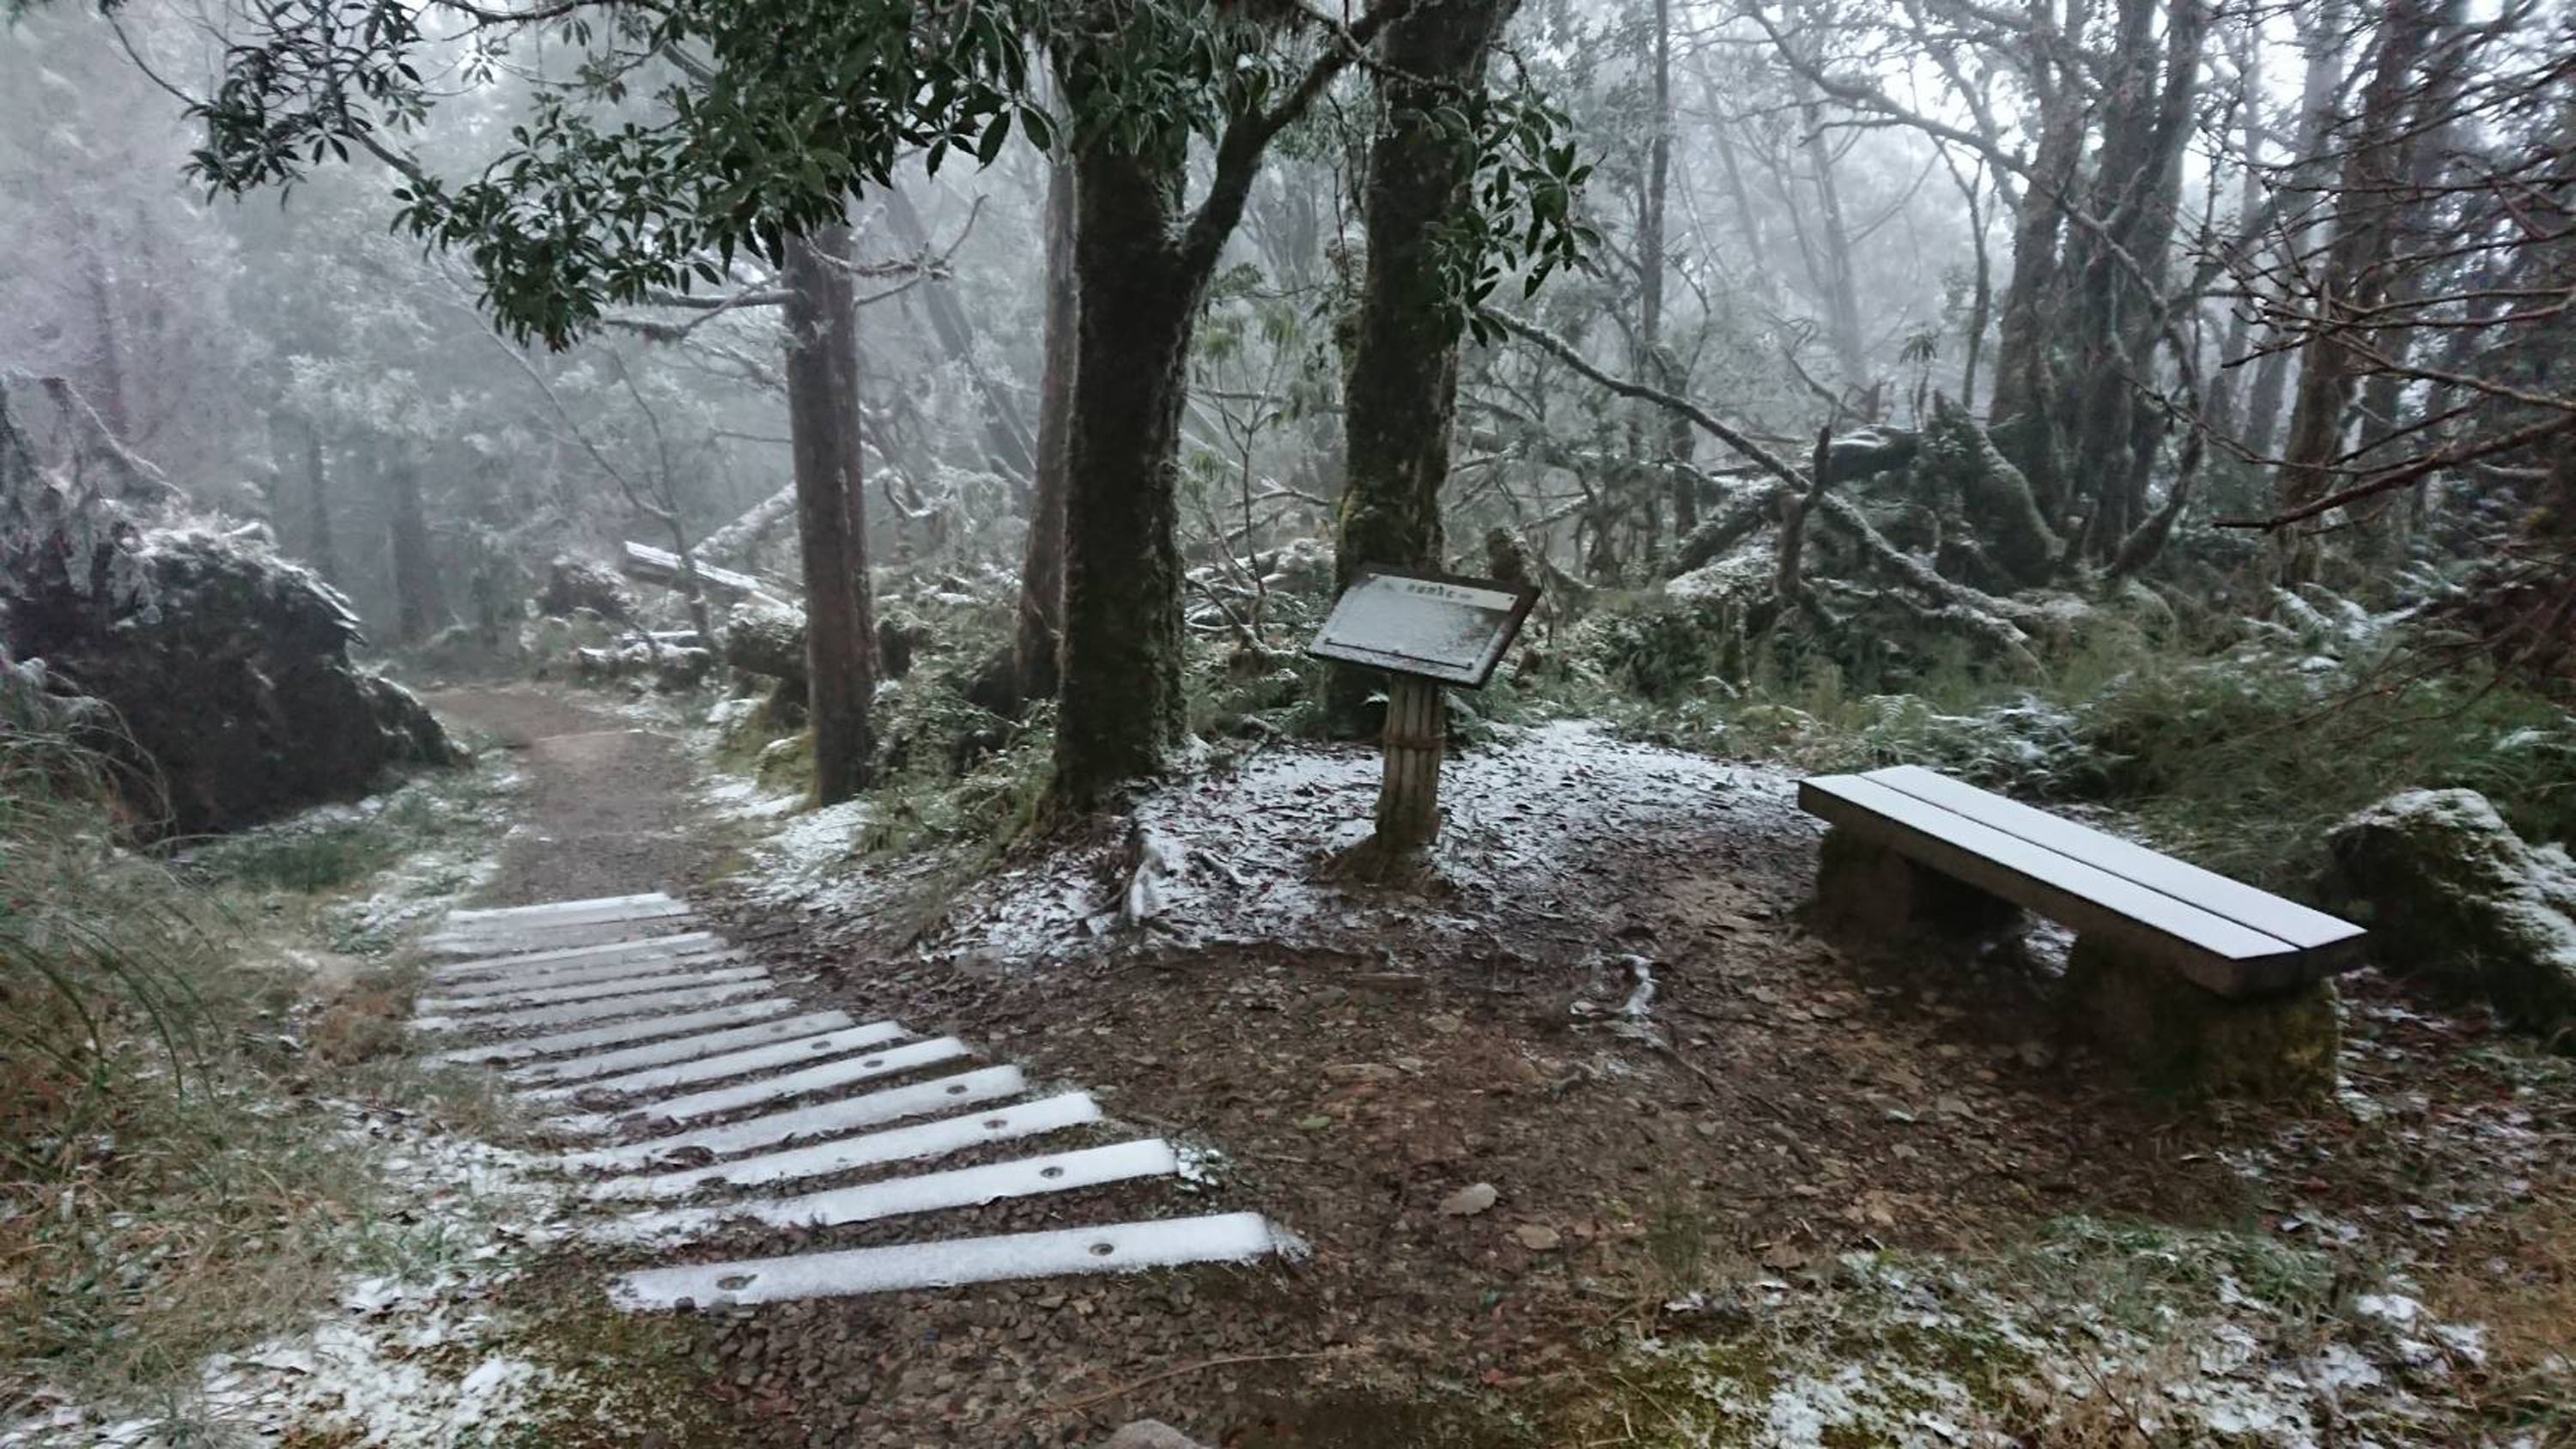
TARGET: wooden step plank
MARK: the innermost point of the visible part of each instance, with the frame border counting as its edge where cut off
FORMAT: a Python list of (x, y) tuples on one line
[(539, 938), (460, 926), (768, 1056), (593, 908), (641, 1029), (552, 995), (538, 963), (650, 1004), (632, 968), (2309, 930), (849, 1071), (2225, 957), (874, 1149), (1114, 1248), (687, 1048), (820, 1119), (896, 1197)]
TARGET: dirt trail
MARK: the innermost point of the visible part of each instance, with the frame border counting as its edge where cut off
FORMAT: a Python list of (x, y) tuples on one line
[(608, 807)]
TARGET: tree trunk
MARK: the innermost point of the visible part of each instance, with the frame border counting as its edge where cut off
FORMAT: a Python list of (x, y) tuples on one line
[(1006, 438), (2322, 36), (318, 543), (113, 407), (2021, 374), (1041, 622), (737, 539), (2219, 401), (1652, 257), (1401, 401), (1830, 260), (1123, 709), (2118, 319), (2353, 281), (418, 609), (831, 516)]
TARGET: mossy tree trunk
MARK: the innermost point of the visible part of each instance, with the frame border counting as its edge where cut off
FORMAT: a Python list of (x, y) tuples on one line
[(1121, 659), (2021, 371), (1401, 397), (2116, 318), (1041, 621), (1142, 261), (831, 516)]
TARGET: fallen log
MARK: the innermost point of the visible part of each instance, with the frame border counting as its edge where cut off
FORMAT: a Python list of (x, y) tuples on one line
[(739, 537), (652, 565)]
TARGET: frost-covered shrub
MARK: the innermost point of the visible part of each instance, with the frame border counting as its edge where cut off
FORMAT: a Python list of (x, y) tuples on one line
[(1662, 646)]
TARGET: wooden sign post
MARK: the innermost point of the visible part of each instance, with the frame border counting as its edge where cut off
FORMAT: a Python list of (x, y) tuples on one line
[(1427, 631)]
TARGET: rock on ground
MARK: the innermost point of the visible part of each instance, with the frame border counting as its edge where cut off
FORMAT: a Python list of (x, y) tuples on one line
[(2453, 895), (1150, 1434), (227, 667), (575, 583)]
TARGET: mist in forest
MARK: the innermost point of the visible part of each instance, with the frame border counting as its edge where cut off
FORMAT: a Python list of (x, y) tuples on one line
[(1810, 216)]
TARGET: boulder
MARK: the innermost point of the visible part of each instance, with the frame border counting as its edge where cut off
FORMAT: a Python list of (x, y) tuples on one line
[(574, 583), (2453, 896), (227, 668)]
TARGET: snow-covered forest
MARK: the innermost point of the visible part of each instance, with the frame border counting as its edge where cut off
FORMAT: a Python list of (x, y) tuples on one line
[(511, 508)]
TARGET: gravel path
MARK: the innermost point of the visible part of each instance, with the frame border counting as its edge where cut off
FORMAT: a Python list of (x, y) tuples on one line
[(608, 809)]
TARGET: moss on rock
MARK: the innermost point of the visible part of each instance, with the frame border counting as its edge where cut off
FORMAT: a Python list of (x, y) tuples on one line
[(2453, 896)]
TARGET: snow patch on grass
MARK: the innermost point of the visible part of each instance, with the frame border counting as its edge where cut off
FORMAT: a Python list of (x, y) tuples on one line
[(2118, 1332), (412, 1357)]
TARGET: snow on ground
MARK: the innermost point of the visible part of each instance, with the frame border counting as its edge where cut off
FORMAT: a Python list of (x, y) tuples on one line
[(412, 1358), (1925, 1351), (1540, 827)]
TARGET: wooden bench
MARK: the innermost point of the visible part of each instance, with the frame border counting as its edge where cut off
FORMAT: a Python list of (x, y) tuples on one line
[(2201, 979)]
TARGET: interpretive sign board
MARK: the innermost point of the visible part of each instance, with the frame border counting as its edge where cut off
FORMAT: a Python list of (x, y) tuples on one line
[(1435, 626)]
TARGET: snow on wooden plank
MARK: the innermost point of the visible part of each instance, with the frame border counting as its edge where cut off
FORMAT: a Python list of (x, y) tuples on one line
[(1116, 1248), (631, 969), (2244, 904), (769, 1057), (679, 1049), (538, 938), (590, 990), (509, 928), (643, 1004), (822, 1078), (902, 1196), (595, 908), (901, 1144), (2209, 949), (985, 1084), (639, 1030), (564, 958)]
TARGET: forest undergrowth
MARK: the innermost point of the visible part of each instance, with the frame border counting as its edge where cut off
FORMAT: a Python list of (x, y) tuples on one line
[(2239, 749), (2237, 743), (185, 1041)]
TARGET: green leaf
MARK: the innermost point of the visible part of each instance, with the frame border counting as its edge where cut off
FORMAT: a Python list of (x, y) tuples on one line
[(994, 137)]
